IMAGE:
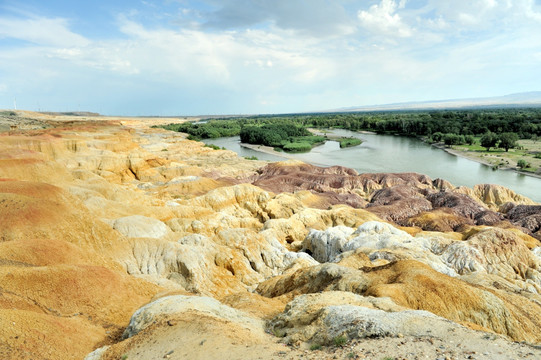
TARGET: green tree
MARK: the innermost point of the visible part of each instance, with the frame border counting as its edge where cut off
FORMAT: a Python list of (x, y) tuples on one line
[(507, 140), (437, 136), (469, 139), (488, 140), (453, 139)]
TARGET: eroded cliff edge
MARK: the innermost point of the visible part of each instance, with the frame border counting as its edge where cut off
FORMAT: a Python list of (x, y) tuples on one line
[(131, 240)]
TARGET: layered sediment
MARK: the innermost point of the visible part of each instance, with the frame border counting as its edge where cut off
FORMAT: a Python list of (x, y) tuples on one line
[(122, 240)]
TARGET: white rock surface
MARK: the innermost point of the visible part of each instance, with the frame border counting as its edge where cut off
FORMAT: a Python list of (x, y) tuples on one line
[(177, 304), (378, 240), (537, 252), (137, 226), (316, 318)]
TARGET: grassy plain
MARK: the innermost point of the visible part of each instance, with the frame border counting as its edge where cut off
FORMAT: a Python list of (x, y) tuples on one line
[(526, 150)]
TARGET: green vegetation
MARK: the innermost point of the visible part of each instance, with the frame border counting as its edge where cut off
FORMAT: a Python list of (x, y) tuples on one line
[(215, 147), (477, 130), (8, 113), (453, 139), (340, 341), (206, 130), (507, 140), (523, 164), (251, 158), (284, 135), (526, 123), (315, 347), (301, 146), (349, 142), (488, 140)]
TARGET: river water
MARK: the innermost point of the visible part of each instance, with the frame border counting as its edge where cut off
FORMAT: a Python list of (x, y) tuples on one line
[(384, 153)]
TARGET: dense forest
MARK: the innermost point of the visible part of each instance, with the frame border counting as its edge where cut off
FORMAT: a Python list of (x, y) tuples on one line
[(491, 127)]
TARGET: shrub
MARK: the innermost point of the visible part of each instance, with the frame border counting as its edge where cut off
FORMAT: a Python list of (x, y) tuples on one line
[(315, 346), (347, 142), (523, 164), (212, 146), (340, 341)]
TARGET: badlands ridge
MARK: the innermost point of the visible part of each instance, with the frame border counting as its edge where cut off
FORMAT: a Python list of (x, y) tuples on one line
[(119, 241)]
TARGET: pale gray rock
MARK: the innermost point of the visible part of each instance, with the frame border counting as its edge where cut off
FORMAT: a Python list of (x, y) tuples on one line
[(321, 318), (537, 252), (138, 226), (377, 240), (97, 354), (378, 235), (196, 262), (464, 258), (178, 304), (326, 245)]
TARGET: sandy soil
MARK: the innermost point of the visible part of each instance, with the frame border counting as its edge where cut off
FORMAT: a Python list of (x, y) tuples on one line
[(211, 340), (267, 150)]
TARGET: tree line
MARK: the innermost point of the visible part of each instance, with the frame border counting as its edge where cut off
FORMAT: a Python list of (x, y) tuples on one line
[(495, 127)]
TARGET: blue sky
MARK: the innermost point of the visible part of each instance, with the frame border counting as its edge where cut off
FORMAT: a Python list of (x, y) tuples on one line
[(187, 57)]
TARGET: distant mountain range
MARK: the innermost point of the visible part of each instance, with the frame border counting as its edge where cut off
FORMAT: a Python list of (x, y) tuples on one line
[(526, 99)]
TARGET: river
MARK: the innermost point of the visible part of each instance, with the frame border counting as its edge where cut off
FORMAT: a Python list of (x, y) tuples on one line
[(385, 153)]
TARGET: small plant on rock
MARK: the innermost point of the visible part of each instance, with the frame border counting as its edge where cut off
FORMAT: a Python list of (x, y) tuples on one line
[(315, 346), (340, 341)]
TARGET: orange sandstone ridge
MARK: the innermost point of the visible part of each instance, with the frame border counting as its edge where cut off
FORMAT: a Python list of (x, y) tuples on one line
[(123, 241)]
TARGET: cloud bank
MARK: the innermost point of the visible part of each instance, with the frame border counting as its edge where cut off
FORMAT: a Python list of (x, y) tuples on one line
[(240, 56)]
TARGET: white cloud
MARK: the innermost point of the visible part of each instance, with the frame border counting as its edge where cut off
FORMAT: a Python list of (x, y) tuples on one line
[(383, 19), (486, 14), (41, 31), (397, 50)]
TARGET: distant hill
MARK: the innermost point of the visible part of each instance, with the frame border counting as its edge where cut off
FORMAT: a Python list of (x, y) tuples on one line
[(527, 99)]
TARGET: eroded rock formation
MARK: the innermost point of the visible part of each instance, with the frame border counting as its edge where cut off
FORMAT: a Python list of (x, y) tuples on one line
[(99, 219)]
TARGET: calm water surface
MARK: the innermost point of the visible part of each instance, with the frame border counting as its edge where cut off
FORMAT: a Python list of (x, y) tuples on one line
[(383, 153)]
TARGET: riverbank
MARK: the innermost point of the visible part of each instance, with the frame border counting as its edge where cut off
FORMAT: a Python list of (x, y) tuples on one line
[(493, 160), (267, 150), (498, 161)]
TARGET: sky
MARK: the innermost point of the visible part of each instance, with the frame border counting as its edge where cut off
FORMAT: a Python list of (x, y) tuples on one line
[(192, 57)]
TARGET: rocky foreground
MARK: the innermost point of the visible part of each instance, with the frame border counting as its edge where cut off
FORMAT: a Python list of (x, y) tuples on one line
[(119, 241)]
